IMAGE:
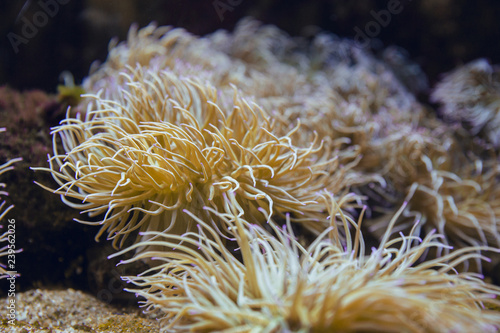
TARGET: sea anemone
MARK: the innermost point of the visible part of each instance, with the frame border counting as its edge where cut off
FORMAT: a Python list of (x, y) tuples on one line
[(274, 284), (448, 189), (465, 207), (471, 96), (407, 155), (169, 143)]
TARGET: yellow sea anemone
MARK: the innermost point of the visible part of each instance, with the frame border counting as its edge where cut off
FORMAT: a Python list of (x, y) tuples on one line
[(169, 143), (280, 286)]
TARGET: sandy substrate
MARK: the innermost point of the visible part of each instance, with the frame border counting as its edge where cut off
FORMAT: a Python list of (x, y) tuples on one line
[(71, 311)]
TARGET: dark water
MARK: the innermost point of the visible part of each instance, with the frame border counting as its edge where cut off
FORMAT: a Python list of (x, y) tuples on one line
[(40, 39)]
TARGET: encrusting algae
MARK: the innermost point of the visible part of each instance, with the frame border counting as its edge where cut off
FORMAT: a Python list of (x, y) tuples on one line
[(197, 146)]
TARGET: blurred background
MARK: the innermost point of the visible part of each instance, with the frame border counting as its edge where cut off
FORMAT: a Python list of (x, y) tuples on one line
[(42, 38)]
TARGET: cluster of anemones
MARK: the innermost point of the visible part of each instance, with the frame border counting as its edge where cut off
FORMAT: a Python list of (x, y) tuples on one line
[(195, 143)]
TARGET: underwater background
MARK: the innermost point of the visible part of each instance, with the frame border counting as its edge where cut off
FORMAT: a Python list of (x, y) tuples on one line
[(43, 39), (439, 35)]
